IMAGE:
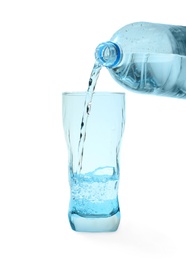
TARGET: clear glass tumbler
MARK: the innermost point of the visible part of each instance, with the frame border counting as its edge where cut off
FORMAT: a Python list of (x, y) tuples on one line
[(93, 135)]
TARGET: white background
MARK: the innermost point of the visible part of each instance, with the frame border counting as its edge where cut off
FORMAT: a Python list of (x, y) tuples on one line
[(46, 48)]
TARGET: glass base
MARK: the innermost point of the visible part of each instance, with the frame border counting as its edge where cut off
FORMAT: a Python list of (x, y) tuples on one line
[(94, 224)]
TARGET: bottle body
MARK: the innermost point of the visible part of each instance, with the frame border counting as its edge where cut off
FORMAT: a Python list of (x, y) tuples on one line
[(152, 59)]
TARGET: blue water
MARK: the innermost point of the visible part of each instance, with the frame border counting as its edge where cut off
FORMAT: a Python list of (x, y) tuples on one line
[(87, 110), (94, 194), (158, 74)]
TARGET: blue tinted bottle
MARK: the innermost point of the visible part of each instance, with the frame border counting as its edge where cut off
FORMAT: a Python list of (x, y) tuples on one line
[(147, 58)]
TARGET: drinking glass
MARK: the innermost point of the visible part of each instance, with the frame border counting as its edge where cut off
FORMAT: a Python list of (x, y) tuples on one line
[(93, 135)]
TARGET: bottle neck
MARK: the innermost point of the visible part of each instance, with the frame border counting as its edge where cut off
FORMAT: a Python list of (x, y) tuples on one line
[(108, 54)]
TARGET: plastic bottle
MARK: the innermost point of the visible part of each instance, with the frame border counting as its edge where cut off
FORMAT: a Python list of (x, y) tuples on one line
[(147, 58)]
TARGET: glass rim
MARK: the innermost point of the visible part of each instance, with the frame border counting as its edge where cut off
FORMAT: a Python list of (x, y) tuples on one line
[(97, 93)]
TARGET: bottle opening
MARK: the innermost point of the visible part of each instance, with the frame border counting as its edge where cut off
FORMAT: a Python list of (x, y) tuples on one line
[(108, 54)]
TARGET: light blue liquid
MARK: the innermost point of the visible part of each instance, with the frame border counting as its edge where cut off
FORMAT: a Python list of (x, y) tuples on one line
[(158, 74), (87, 110), (94, 195)]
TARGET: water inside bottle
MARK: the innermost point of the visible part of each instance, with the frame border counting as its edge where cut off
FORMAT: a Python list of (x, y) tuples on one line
[(152, 73)]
